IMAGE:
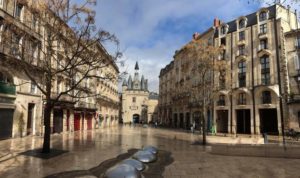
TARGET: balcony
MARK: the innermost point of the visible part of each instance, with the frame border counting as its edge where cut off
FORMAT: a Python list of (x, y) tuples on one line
[(263, 51), (63, 98), (6, 88), (263, 34), (266, 81), (86, 105)]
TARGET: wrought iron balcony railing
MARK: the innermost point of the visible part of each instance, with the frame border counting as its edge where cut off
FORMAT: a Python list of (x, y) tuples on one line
[(6, 88)]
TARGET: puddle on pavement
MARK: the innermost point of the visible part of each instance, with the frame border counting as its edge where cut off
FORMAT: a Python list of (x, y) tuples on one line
[(155, 169)]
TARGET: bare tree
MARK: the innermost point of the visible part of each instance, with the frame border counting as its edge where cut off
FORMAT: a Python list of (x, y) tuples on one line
[(205, 63), (68, 44)]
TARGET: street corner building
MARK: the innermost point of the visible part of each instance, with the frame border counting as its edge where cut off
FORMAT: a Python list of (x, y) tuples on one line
[(22, 104), (260, 90), (138, 104)]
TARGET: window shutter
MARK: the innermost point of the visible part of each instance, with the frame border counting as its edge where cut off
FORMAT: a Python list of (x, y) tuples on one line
[(296, 62)]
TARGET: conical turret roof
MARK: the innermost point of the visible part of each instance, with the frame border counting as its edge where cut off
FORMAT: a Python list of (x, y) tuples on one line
[(136, 66)]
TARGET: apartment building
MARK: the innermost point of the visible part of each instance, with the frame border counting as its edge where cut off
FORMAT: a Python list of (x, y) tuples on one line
[(22, 103), (253, 95)]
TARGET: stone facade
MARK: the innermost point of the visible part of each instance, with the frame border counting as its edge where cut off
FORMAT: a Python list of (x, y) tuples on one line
[(251, 97), (138, 105), (21, 103)]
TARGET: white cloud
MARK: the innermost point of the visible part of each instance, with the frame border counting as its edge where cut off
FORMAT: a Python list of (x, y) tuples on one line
[(139, 24)]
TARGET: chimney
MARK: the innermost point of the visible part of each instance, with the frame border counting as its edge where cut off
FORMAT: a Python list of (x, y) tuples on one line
[(216, 22), (196, 35)]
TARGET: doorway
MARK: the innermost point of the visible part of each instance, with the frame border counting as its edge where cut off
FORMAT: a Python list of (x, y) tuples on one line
[(89, 118), (187, 121), (76, 121), (6, 123), (222, 121), (268, 121), (181, 120), (175, 120), (30, 115), (58, 121), (136, 118), (243, 123)]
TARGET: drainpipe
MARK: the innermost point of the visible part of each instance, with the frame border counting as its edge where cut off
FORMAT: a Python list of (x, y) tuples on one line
[(279, 80), (231, 67), (253, 88)]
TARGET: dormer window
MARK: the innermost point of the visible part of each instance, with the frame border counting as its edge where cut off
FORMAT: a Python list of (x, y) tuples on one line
[(263, 16), (224, 29), (242, 23)]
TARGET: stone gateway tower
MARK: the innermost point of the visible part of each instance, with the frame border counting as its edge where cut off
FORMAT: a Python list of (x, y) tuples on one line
[(135, 99)]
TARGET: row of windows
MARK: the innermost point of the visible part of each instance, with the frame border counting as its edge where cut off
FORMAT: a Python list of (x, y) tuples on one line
[(263, 44), (266, 98), (242, 68), (263, 30), (243, 23)]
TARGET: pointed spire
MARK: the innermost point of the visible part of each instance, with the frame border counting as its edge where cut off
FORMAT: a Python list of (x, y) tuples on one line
[(136, 66), (142, 83), (146, 85), (130, 82)]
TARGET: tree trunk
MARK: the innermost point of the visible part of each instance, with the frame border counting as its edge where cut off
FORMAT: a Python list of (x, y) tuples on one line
[(47, 118), (203, 125), (204, 131)]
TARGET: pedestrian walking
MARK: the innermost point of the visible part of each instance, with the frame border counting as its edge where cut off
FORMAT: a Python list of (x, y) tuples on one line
[(192, 128)]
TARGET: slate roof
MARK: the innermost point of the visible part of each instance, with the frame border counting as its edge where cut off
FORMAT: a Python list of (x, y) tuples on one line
[(251, 20)]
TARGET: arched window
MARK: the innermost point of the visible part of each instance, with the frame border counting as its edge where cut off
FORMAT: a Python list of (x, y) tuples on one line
[(263, 16), (242, 73), (221, 101), (242, 23), (242, 99), (266, 97)]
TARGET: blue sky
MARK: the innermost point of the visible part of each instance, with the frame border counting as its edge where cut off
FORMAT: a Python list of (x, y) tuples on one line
[(151, 30)]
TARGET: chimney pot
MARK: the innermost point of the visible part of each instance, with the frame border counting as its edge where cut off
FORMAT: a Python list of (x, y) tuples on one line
[(196, 35), (216, 22)]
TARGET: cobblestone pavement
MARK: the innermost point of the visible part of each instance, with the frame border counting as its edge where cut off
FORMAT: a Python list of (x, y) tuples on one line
[(89, 149)]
